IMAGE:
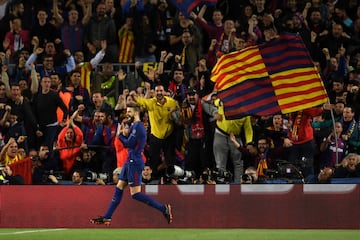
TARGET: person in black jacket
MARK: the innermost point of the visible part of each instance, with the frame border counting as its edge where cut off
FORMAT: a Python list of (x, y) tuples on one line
[(7, 177)]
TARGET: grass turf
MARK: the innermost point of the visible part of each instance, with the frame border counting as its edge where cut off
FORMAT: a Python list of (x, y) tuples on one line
[(176, 234)]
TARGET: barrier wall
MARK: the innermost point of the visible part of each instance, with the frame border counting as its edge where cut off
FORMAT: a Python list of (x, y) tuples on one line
[(328, 206)]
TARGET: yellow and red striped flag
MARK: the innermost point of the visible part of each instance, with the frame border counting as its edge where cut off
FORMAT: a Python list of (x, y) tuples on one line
[(275, 77)]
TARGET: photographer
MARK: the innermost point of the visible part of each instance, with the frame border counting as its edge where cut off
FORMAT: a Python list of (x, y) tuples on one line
[(77, 178), (7, 177)]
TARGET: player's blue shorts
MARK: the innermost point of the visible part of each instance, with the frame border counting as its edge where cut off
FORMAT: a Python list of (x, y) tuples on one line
[(131, 172)]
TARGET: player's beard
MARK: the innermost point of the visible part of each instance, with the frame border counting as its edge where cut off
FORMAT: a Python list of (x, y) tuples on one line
[(131, 119)]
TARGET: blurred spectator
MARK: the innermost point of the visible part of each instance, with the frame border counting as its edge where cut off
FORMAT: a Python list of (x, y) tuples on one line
[(101, 27), (21, 107), (43, 30), (349, 167), (126, 41), (15, 9), (163, 23), (87, 68), (350, 132), (72, 30), (147, 176), (79, 94), (190, 53), (144, 35), (333, 148), (16, 39), (9, 154), (8, 178), (77, 178), (325, 175), (43, 163), (16, 131)]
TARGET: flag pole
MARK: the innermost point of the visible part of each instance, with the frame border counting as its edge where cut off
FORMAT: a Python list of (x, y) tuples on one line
[(335, 135)]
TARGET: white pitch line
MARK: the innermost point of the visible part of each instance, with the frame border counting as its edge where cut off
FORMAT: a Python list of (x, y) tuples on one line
[(33, 231)]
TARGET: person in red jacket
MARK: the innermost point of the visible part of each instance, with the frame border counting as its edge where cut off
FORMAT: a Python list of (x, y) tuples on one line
[(68, 144), (301, 143)]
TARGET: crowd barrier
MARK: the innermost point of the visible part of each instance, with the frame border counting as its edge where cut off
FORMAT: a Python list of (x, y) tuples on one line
[(266, 206)]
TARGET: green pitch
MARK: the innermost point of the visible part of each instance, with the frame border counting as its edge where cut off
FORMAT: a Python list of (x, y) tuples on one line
[(176, 234)]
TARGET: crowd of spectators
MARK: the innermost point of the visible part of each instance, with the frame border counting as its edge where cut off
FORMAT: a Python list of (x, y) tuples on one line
[(64, 90)]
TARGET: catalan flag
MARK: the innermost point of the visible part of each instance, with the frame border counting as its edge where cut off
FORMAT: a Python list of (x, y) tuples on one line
[(275, 77), (186, 6)]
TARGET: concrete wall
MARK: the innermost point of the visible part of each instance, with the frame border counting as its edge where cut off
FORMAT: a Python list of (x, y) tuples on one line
[(334, 206)]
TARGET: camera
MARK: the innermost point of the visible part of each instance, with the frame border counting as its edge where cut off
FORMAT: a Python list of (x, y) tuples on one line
[(176, 171), (221, 176), (284, 170), (92, 176), (247, 179), (59, 175)]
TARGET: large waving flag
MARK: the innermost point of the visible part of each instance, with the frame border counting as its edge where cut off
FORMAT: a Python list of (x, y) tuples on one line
[(275, 77), (186, 6)]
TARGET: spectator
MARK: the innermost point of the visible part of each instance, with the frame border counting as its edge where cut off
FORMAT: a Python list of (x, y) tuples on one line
[(349, 167), (144, 40), (43, 30), (72, 31), (7, 177), (16, 130), (192, 123), (350, 132), (21, 107), (45, 107), (163, 23), (126, 41), (89, 124), (86, 68), (80, 95), (302, 145), (77, 178), (262, 158), (223, 148), (333, 148), (69, 141), (278, 136), (101, 27), (104, 138), (9, 154), (16, 40), (333, 41), (147, 178), (43, 163), (162, 135), (177, 86), (190, 52), (15, 9), (48, 67)]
